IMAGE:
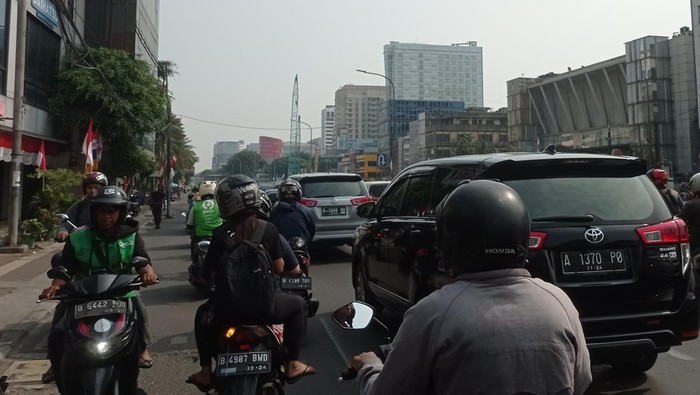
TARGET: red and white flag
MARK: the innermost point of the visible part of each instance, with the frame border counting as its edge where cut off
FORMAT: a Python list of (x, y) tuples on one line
[(40, 160), (87, 145)]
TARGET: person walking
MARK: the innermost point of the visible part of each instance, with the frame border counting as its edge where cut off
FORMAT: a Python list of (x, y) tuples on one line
[(157, 201)]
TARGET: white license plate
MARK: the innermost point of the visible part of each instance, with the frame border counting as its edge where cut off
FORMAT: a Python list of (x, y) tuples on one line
[(331, 211), (601, 261), (254, 362), (292, 283), (100, 307)]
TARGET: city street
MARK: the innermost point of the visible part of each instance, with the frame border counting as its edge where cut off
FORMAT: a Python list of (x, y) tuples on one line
[(172, 305)]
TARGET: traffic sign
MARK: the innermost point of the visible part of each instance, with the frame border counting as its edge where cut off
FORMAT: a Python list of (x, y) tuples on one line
[(381, 160)]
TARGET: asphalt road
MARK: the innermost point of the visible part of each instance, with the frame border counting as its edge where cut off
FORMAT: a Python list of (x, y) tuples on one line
[(172, 305)]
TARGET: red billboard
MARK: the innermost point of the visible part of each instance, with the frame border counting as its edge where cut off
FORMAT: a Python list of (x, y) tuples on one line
[(270, 148)]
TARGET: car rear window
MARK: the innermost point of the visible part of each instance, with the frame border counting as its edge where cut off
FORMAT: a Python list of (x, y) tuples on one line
[(331, 187), (624, 199)]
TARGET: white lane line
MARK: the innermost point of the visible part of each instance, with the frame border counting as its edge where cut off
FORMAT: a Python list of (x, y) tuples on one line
[(17, 263), (680, 355)]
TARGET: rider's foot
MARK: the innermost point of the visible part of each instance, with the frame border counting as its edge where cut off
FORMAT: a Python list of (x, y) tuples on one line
[(201, 379), (296, 370)]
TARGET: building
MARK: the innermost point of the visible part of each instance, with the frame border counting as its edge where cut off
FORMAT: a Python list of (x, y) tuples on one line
[(443, 134), (270, 148), (357, 111), (364, 164), (327, 140), (644, 102), (223, 150)]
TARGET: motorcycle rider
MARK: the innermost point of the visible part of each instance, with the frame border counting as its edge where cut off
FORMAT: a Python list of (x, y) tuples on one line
[(291, 217), (78, 212), (672, 198), (239, 202), (204, 216), (691, 214), (102, 244), (495, 330)]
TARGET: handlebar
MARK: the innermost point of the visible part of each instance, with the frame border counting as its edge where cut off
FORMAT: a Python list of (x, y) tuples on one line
[(347, 374)]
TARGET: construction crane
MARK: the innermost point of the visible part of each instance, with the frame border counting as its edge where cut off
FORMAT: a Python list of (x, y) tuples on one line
[(294, 132)]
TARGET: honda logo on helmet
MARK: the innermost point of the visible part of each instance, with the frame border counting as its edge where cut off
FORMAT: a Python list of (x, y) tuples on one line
[(594, 235)]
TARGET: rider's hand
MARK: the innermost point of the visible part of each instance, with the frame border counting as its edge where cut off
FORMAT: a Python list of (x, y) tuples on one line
[(358, 361), (61, 236), (148, 275), (52, 289)]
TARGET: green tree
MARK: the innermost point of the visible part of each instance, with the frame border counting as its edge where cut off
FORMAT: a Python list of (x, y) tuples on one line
[(278, 167), (181, 147), (245, 162)]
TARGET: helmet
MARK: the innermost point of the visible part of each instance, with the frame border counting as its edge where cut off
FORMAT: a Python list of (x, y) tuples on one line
[(658, 177), (482, 225), (237, 193), (289, 190), (109, 195), (94, 178), (694, 184), (207, 188), (265, 206)]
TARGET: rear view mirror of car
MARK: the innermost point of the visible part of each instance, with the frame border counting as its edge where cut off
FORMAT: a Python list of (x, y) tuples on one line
[(365, 210)]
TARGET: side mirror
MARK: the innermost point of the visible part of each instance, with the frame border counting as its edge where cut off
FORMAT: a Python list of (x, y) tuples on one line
[(355, 315), (59, 272), (184, 214), (62, 217), (138, 262), (365, 210)]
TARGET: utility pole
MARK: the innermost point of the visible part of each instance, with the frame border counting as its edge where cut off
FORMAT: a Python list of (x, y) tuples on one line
[(168, 155), (17, 118)]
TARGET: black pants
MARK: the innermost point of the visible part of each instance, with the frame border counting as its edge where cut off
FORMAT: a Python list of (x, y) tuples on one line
[(157, 213), (289, 310)]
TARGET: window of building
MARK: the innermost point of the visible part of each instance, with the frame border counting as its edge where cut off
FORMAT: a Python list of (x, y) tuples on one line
[(42, 58), (4, 20)]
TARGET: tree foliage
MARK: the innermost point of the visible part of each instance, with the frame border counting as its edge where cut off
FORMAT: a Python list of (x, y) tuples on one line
[(467, 146), (278, 167), (245, 162), (181, 147)]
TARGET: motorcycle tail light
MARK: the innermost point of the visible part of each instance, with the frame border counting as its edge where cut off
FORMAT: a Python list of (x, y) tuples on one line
[(309, 202)]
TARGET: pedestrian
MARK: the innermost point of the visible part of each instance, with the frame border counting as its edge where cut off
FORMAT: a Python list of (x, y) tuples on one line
[(157, 201), (672, 198), (690, 213), (495, 329)]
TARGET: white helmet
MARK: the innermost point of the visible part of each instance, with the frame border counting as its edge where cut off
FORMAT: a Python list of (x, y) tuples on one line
[(207, 188), (694, 184)]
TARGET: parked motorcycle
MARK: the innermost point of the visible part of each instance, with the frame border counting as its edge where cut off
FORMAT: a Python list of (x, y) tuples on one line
[(134, 208), (102, 337), (301, 285), (250, 360)]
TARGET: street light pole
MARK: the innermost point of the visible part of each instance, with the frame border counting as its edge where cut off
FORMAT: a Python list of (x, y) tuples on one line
[(391, 112), (311, 137)]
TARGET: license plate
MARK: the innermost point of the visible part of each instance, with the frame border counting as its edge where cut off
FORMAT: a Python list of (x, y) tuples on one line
[(100, 307), (330, 211), (254, 362), (602, 261), (291, 283)]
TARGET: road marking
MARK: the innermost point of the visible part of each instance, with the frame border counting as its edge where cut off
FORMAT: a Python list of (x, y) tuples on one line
[(343, 353), (16, 264), (680, 355)]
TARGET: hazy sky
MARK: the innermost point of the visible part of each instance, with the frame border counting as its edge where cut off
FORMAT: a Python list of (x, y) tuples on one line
[(237, 59)]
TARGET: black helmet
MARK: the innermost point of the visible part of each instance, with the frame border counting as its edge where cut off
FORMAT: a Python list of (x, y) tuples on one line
[(109, 195), (289, 190), (482, 225), (94, 178), (265, 206), (237, 193)]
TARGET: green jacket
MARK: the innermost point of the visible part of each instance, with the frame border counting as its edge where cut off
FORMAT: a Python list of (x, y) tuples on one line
[(206, 217)]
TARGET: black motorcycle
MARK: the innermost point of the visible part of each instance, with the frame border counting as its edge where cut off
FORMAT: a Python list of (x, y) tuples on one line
[(134, 208), (301, 285), (195, 270), (102, 333)]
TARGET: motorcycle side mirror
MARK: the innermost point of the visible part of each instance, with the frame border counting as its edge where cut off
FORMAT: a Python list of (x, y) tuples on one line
[(355, 315), (138, 262), (59, 272), (297, 242), (184, 214), (62, 217)]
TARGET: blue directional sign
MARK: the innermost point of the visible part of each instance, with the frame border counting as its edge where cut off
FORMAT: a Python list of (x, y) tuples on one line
[(381, 160), (46, 11)]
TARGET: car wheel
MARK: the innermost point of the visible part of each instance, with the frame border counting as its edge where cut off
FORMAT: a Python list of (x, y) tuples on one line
[(362, 292), (645, 362)]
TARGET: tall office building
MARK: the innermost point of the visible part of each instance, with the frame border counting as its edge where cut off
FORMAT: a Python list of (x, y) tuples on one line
[(436, 72), (357, 111), (223, 150), (327, 127)]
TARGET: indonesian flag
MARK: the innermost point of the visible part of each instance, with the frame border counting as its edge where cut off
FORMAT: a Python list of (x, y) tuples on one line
[(87, 145), (40, 160)]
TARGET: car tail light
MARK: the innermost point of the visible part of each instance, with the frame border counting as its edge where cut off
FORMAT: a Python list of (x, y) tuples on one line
[(309, 202), (688, 335), (536, 240), (674, 231), (361, 200)]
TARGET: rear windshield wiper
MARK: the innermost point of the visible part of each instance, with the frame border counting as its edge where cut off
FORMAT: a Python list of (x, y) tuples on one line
[(566, 218)]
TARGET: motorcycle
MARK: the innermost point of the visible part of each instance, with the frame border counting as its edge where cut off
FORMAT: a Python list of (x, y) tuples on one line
[(102, 337), (195, 268), (250, 360), (356, 316), (301, 285), (134, 208)]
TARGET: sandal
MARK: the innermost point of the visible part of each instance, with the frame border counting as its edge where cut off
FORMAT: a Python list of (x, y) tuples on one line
[(200, 386), (145, 363), (48, 376), (308, 371)]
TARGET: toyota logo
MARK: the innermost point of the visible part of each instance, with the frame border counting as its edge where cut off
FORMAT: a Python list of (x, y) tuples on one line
[(594, 235)]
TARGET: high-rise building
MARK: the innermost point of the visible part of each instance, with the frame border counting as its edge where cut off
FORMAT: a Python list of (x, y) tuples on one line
[(357, 110), (327, 128), (436, 72), (223, 150)]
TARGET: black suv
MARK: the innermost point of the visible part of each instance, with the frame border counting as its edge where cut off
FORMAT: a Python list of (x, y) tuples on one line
[(600, 231)]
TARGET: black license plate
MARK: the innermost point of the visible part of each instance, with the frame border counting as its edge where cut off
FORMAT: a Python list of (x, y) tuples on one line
[(330, 211), (100, 307), (601, 261), (291, 283), (254, 362)]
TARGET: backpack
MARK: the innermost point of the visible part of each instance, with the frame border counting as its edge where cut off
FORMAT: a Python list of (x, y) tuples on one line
[(245, 285)]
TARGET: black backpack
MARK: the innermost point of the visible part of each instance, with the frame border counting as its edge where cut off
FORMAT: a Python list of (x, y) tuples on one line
[(245, 285)]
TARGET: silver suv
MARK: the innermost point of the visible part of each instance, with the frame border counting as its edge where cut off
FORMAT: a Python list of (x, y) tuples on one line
[(333, 198)]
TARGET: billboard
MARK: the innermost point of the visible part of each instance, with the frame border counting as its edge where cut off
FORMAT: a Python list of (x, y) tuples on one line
[(270, 148)]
